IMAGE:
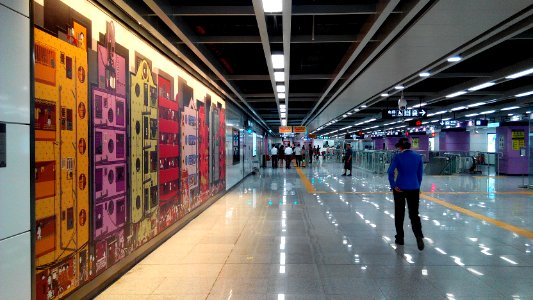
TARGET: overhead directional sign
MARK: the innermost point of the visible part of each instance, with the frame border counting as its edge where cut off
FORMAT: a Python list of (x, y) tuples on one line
[(299, 129), (451, 123), (396, 113), (285, 129)]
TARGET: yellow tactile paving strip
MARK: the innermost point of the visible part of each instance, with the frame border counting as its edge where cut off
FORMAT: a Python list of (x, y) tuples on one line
[(521, 231)]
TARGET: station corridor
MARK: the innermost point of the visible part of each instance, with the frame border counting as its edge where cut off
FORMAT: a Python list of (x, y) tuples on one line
[(311, 234)]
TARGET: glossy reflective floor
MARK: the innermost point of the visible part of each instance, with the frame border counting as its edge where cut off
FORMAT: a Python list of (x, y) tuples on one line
[(312, 234)]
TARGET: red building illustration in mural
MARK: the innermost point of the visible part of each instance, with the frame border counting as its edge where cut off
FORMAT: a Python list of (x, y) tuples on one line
[(203, 149), (169, 159)]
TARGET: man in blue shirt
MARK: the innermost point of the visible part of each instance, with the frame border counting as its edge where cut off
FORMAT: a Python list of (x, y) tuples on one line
[(406, 188)]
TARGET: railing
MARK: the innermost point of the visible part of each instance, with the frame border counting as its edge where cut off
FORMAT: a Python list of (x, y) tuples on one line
[(435, 162)]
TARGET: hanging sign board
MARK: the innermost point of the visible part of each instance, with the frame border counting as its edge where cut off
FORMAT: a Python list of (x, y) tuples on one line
[(285, 129), (311, 136), (395, 113), (299, 129), (3, 159), (236, 146)]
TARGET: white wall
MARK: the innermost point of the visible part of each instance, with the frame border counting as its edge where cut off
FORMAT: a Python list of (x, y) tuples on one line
[(478, 138), (15, 220)]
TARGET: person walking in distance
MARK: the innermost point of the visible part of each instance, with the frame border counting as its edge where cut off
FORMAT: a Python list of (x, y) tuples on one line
[(311, 150), (298, 154), (406, 188), (347, 160), (274, 153), (281, 154), (288, 157)]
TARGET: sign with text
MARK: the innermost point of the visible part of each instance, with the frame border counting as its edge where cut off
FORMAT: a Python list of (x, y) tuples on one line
[(236, 144), (518, 138), (451, 123), (395, 113), (3, 159), (311, 136), (299, 129), (285, 129)]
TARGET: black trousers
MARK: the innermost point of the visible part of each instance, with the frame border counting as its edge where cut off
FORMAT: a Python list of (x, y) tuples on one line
[(348, 166), (310, 158), (274, 159), (288, 159), (412, 197), (298, 160)]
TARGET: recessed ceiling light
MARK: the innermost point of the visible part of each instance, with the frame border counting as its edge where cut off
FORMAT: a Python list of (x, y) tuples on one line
[(510, 108), (524, 94), (364, 106), (487, 112), (424, 74), (520, 74), (279, 76), (281, 95), (280, 88), (356, 110), (399, 87), (348, 113), (454, 58), (282, 109), (458, 108), (278, 61), (283, 115), (344, 116), (476, 104), (384, 95), (283, 122), (272, 6), (471, 115), (456, 94), (481, 86)]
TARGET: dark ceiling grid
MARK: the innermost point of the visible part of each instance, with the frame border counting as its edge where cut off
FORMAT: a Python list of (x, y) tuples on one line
[(329, 42), (478, 61)]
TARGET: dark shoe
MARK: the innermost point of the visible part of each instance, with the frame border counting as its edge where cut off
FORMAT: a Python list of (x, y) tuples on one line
[(420, 243), (343, 175), (349, 175), (398, 242)]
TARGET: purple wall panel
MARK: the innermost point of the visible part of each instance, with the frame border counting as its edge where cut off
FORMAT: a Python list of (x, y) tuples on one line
[(378, 143), (454, 141), (511, 162)]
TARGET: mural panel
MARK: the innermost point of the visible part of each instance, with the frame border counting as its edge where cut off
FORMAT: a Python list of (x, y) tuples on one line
[(126, 144)]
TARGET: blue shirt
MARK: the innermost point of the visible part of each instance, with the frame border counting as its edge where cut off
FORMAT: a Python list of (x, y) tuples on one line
[(410, 168)]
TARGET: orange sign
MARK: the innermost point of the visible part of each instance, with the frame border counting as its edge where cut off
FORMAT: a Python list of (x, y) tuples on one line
[(285, 129), (299, 129), (311, 136)]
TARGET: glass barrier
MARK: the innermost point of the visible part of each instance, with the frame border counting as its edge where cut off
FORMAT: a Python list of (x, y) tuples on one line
[(435, 162)]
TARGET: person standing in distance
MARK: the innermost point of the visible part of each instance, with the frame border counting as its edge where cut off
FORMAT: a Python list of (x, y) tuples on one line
[(288, 157), (347, 160), (298, 155), (406, 188), (274, 153)]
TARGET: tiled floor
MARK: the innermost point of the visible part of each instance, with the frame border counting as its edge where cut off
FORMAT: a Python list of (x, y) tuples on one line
[(270, 238)]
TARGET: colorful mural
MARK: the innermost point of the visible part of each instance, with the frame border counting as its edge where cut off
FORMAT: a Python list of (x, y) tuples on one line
[(126, 144), (110, 171)]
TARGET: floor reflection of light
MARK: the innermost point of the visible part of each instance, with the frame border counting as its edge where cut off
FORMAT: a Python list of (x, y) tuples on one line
[(230, 294), (282, 269), (282, 258), (281, 296), (457, 260), (409, 258), (509, 260), (450, 296), (440, 250), (425, 272), (474, 271)]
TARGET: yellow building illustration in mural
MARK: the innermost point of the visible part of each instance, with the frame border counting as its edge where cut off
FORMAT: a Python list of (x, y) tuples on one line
[(144, 153), (61, 164)]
